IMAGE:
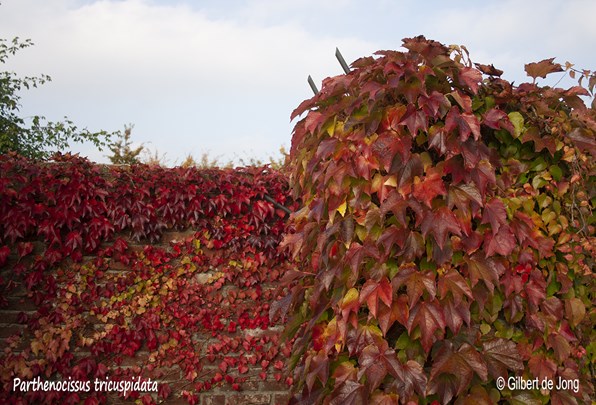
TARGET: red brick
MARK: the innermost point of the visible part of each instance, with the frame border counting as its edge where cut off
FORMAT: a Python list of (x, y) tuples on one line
[(250, 385), (21, 304), (139, 358), (175, 401), (10, 317), (249, 399), (118, 265), (213, 399), (170, 236), (274, 385), (18, 292), (281, 399), (9, 330)]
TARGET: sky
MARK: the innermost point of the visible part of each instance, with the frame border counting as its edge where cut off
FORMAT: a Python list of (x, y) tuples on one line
[(222, 77)]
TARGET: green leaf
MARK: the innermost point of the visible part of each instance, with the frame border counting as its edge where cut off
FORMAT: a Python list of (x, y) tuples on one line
[(556, 172), (518, 123), (538, 165)]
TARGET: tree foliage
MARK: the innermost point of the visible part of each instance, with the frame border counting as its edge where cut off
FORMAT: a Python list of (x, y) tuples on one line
[(122, 151), (34, 137), (447, 234)]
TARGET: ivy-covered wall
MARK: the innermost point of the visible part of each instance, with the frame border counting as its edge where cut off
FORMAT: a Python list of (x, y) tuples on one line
[(115, 273)]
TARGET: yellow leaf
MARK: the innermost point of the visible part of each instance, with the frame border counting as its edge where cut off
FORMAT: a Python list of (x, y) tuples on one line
[(391, 181), (342, 208), (36, 346), (351, 296)]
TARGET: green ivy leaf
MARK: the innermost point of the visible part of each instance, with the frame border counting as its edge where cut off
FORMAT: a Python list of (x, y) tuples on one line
[(518, 123)]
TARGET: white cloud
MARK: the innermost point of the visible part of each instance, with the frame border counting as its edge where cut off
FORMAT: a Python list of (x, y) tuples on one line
[(220, 78), (183, 79), (511, 33)]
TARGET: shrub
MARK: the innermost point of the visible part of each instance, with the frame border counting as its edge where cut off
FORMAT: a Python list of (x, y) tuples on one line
[(447, 235)]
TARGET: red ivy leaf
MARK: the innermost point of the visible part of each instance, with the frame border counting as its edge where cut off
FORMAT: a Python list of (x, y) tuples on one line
[(483, 175), (164, 391), (584, 140), (372, 364), (23, 249), (542, 68), (464, 196), (560, 345), (466, 123), (314, 120), (455, 314), (409, 377), (365, 335), (429, 317), (497, 119), (490, 70), (4, 253), (73, 241), (384, 399), (439, 223), (430, 187), (470, 77), (536, 288), (405, 176), (348, 393), (453, 282), (415, 120), (501, 355), (416, 282), (390, 144), (542, 367), (485, 269), (436, 105), (429, 49), (494, 213), (393, 116), (326, 149), (345, 372), (502, 243), (460, 366), (373, 291), (318, 367)]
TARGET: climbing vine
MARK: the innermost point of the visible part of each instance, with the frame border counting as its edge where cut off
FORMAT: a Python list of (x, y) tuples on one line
[(115, 303), (447, 235)]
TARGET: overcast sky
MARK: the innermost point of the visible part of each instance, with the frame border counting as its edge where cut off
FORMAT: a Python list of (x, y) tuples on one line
[(223, 76)]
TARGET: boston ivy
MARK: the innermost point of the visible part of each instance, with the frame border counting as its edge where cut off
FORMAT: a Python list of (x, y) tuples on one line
[(447, 234), (113, 303)]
